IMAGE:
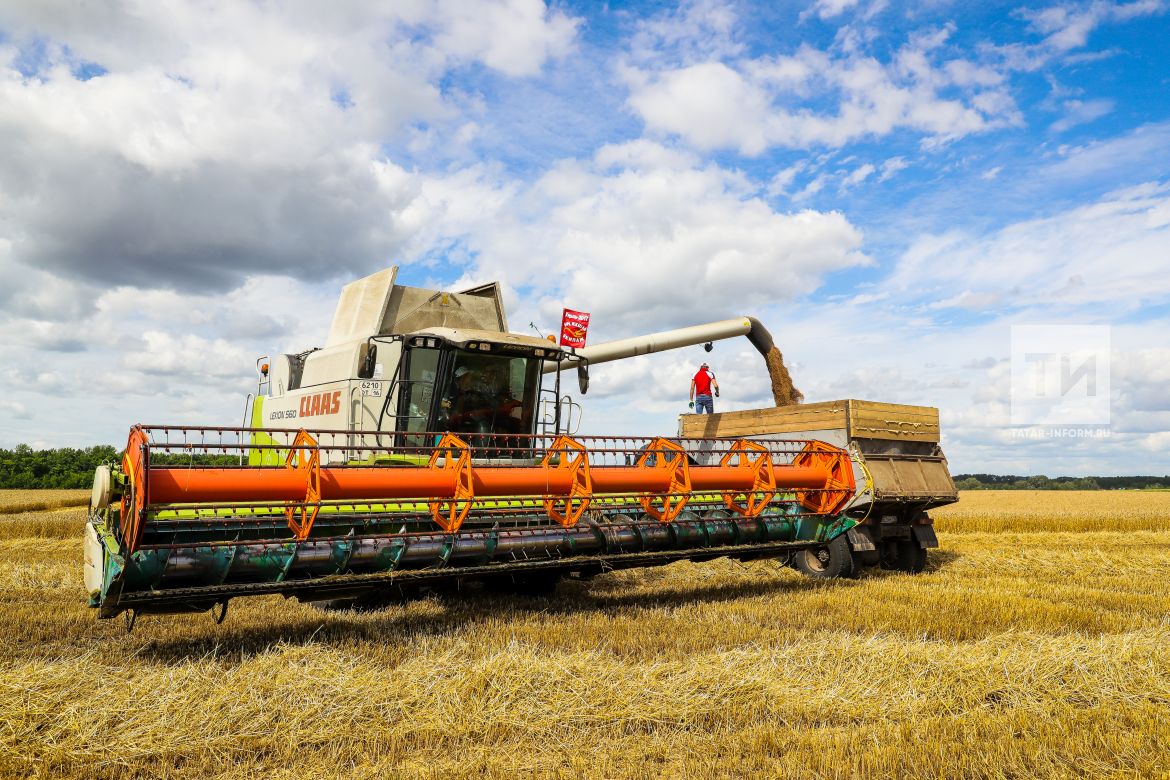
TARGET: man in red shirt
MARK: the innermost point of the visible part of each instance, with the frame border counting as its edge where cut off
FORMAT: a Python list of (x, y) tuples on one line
[(701, 386)]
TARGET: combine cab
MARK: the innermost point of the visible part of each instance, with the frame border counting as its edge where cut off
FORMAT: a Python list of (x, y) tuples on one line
[(425, 446)]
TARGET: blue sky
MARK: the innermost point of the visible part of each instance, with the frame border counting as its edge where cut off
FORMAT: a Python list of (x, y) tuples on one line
[(890, 186)]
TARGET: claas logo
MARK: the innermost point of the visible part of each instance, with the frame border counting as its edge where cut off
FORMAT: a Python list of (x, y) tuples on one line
[(320, 403), (574, 332)]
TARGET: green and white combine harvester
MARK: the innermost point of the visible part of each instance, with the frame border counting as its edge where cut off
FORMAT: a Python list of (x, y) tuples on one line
[(425, 447)]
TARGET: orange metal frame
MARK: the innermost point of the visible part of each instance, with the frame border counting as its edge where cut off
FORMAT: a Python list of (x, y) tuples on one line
[(304, 457), (456, 456), (838, 486), (755, 458), (671, 458), (572, 456)]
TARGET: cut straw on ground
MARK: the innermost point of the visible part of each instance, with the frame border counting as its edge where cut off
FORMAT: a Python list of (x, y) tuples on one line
[(1033, 650)]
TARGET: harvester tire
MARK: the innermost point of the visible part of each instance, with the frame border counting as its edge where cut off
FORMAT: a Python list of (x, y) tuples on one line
[(831, 561)]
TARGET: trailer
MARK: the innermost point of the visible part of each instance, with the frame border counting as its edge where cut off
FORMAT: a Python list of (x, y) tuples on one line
[(899, 470)]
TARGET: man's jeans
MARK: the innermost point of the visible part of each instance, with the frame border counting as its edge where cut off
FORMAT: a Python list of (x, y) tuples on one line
[(704, 401)]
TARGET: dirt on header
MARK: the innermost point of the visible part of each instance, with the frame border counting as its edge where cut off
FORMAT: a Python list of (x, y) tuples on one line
[(782, 389)]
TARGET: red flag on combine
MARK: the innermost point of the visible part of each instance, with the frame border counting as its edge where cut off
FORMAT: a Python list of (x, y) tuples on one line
[(574, 324)]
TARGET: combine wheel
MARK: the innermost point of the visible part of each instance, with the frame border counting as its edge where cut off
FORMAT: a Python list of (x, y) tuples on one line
[(830, 561)]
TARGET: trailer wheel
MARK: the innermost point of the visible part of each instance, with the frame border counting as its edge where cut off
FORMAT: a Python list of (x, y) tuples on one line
[(830, 561), (910, 556), (368, 602), (537, 584)]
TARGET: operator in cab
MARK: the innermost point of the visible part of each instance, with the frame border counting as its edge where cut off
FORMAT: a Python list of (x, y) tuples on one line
[(468, 404), (481, 401)]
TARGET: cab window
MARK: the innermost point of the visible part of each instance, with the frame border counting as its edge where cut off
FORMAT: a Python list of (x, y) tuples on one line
[(416, 391), (489, 394)]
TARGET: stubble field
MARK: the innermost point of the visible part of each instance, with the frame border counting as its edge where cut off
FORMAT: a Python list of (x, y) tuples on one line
[(1036, 645)]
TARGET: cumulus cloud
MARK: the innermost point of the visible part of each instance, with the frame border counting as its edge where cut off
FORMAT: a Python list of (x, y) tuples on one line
[(716, 98), (513, 36), (755, 104), (165, 145), (655, 242)]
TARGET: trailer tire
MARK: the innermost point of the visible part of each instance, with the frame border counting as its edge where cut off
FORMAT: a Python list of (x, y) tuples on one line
[(910, 556), (831, 561), (373, 601), (537, 584)]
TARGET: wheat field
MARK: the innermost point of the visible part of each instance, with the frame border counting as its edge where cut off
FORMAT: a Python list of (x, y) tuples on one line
[(1036, 645), (13, 501)]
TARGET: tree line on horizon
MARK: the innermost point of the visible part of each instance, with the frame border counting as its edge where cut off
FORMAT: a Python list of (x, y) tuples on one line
[(1041, 482), (25, 468)]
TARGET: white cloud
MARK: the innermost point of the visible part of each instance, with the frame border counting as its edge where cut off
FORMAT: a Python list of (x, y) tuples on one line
[(1066, 27), (653, 245), (1079, 112), (16, 409), (711, 105), (858, 175), (715, 98), (1136, 151), (513, 36), (694, 30), (1111, 253), (248, 138), (827, 9), (753, 105), (812, 188), (892, 166), (159, 353), (780, 183)]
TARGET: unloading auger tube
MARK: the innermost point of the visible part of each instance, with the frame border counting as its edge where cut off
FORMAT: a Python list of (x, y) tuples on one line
[(665, 340), (182, 526)]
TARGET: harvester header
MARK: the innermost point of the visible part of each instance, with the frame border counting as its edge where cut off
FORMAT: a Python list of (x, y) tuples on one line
[(193, 534)]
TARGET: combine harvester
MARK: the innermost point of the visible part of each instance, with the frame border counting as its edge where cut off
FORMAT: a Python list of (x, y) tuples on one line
[(425, 446)]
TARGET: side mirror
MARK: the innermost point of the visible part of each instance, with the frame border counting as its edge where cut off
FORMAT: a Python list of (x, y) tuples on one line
[(367, 367), (583, 377)]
